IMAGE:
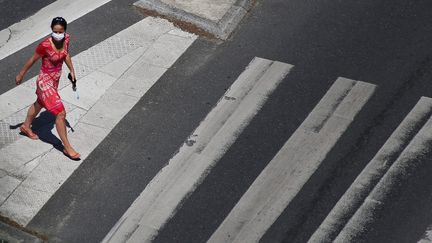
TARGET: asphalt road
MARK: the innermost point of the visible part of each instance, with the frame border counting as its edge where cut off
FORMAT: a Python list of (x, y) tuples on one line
[(15, 11), (387, 43)]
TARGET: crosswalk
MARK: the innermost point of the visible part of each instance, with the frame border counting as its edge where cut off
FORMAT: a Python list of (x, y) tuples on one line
[(117, 72)]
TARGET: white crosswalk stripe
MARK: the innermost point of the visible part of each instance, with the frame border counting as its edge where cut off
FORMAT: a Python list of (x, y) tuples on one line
[(396, 175), (386, 171), (389, 154), (110, 84)]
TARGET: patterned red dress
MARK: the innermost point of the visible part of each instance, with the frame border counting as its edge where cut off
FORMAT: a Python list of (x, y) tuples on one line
[(49, 75)]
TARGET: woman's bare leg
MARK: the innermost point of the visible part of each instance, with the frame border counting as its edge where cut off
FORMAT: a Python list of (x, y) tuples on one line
[(32, 112), (61, 130)]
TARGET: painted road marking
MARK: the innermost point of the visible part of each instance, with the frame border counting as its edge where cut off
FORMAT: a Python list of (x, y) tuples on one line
[(373, 172), (427, 236), (25, 32), (412, 158), (33, 175), (295, 162), (207, 144)]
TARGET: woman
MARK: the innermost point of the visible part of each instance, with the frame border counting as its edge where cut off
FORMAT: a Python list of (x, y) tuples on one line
[(53, 51)]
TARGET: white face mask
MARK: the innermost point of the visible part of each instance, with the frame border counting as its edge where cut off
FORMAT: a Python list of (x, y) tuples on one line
[(58, 37)]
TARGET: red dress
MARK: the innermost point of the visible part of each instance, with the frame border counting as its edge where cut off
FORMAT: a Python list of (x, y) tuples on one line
[(49, 75)]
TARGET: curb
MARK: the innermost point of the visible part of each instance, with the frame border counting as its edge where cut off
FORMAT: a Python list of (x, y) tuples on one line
[(9, 234), (221, 29)]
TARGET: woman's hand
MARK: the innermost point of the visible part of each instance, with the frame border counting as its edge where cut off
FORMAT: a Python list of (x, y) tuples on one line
[(19, 78), (27, 66)]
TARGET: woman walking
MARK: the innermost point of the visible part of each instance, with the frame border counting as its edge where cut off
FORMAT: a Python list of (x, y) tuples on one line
[(53, 51)]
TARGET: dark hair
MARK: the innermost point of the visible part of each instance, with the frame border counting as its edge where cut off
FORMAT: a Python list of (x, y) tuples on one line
[(59, 21)]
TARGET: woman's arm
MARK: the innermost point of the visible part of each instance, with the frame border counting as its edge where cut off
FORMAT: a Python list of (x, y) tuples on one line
[(69, 64), (26, 67)]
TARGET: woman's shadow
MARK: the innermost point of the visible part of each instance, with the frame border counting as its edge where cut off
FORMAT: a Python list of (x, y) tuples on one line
[(42, 126)]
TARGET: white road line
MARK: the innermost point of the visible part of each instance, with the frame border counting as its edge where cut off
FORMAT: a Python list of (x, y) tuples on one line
[(412, 158), (295, 162), (126, 69), (427, 236), (208, 143), (372, 173), (27, 31)]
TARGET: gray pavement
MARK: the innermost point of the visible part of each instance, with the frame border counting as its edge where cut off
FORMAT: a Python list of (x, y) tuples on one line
[(386, 44)]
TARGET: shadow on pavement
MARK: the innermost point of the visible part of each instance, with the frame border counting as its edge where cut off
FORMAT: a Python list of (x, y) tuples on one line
[(42, 126)]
